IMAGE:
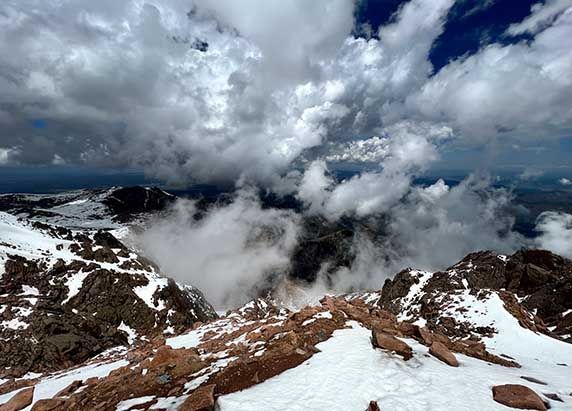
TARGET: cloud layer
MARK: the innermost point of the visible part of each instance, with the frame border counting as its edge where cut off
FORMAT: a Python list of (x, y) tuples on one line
[(230, 90), (267, 93)]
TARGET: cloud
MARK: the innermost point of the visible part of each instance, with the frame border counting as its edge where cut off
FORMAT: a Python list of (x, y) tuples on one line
[(543, 15), (373, 150), (565, 181), (531, 174), (407, 153), (229, 252), (8, 155), (517, 90), (124, 83), (242, 92), (226, 91), (555, 230)]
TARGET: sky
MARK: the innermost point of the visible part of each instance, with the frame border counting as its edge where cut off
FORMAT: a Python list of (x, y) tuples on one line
[(278, 94), (234, 90)]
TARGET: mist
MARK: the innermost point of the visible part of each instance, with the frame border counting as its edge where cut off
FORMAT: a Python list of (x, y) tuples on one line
[(229, 252), (239, 250)]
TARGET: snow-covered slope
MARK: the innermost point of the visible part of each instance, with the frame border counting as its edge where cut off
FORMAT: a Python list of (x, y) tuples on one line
[(66, 296), (88, 209), (101, 328), (321, 357)]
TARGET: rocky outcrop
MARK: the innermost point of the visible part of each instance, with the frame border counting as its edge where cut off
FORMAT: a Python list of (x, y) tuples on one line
[(202, 399), (535, 286), (19, 401), (388, 342), (87, 293), (127, 202), (322, 245), (440, 351), (249, 346), (518, 396)]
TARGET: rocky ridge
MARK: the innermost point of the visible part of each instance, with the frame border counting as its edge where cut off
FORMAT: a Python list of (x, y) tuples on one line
[(87, 323), (217, 363), (56, 308)]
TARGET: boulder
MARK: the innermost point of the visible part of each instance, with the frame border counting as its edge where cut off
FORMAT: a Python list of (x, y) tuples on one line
[(532, 379), (440, 351), (51, 404), (373, 406), (202, 399), (518, 396), (387, 341), (70, 389), (19, 401), (553, 396)]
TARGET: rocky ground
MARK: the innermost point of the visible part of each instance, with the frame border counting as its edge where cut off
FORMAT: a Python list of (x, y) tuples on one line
[(89, 324)]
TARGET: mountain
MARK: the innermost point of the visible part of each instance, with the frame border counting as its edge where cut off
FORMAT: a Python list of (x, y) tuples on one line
[(88, 209), (67, 295), (88, 323)]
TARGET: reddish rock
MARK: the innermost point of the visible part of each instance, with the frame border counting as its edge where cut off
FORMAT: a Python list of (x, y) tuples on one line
[(518, 396), (70, 389), (202, 399), (19, 401), (52, 404), (440, 351), (387, 341), (373, 406), (426, 335), (14, 385), (407, 329)]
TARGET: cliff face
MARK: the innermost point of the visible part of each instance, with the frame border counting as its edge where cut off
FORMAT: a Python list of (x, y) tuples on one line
[(66, 296)]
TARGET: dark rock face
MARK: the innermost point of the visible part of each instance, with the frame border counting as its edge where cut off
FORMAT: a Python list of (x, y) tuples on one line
[(542, 281), (128, 201), (55, 313), (103, 206), (322, 244)]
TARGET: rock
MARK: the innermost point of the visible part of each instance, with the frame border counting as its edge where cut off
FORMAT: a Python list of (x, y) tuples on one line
[(440, 351), (202, 399), (70, 389), (60, 332), (532, 379), (14, 385), (553, 396), (425, 335), (321, 244), (518, 396), (373, 406), (19, 401), (387, 341), (52, 404)]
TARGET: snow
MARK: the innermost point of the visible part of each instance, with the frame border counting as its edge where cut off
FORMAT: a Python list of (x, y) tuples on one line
[(50, 386), (127, 404), (14, 324), (348, 373), (131, 333), (27, 290), (322, 314), (74, 283), (146, 292), (415, 291), (503, 258), (188, 340)]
